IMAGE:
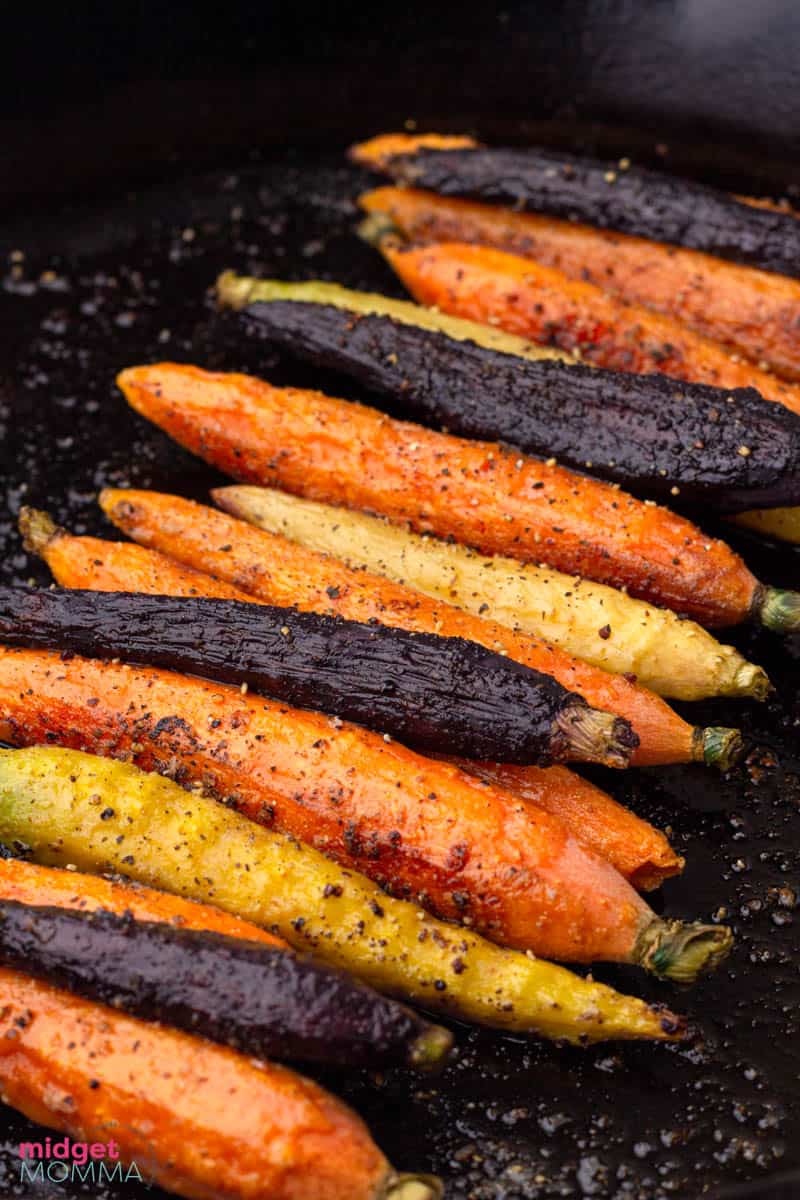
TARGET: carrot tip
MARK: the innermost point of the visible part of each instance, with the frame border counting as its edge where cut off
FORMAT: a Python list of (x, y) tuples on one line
[(591, 735), (412, 1187), (431, 1049), (37, 528), (682, 952), (718, 746), (777, 609)]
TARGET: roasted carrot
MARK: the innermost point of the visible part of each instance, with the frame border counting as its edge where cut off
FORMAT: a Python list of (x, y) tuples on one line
[(541, 303), (638, 851), (436, 695), (634, 848), (477, 492), (48, 798), (417, 827), (277, 570), (200, 1120), (672, 656), (633, 200), (30, 883), (262, 1000), (752, 313)]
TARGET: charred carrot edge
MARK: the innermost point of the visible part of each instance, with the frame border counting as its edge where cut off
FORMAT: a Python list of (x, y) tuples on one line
[(752, 313), (544, 305), (637, 850), (464, 846), (30, 883), (198, 1118), (279, 571), (490, 497)]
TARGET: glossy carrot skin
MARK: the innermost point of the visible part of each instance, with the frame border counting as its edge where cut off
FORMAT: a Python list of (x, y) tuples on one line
[(29, 883), (633, 847), (202, 1120), (275, 570), (752, 313), (420, 828), (480, 493), (542, 304)]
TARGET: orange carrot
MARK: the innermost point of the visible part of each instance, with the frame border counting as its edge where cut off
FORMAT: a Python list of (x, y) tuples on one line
[(752, 313), (479, 493), (420, 828), (31, 884), (638, 851), (378, 150), (199, 1119), (278, 571), (544, 305)]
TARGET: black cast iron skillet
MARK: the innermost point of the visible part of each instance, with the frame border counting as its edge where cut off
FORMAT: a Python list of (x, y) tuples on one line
[(120, 242)]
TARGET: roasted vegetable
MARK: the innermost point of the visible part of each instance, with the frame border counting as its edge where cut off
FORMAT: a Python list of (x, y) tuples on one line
[(633, 847), (731, 451), (752, 313), (420, 828), (476, 492), (191, 845), (262, 1000), (604, 626), (632, 200), (447, 695), (200, 1120), (541, 303), (274, 568)]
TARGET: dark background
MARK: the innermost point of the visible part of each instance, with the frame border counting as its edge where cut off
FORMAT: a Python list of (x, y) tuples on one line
[(123, 126)]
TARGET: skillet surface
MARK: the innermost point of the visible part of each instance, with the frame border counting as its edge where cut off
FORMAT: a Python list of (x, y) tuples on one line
[(99, 290)]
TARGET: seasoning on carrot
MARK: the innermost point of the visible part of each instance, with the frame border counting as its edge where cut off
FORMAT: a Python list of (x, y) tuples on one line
[(479, 493), (262, 1000), (191, 845), (604, 626), (278, 570), (752, 313), (634, 848), (417, 827), (444, 695), (588, 418), (636, 200), (202, 1120), (541, 303)]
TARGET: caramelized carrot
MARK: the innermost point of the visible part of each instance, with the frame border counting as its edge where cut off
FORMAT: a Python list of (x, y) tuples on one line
[(542, 304), (420, 828), (752, 313), (479, 493), (276, 570), (199, 1119), (378, 150), (48, 886)]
